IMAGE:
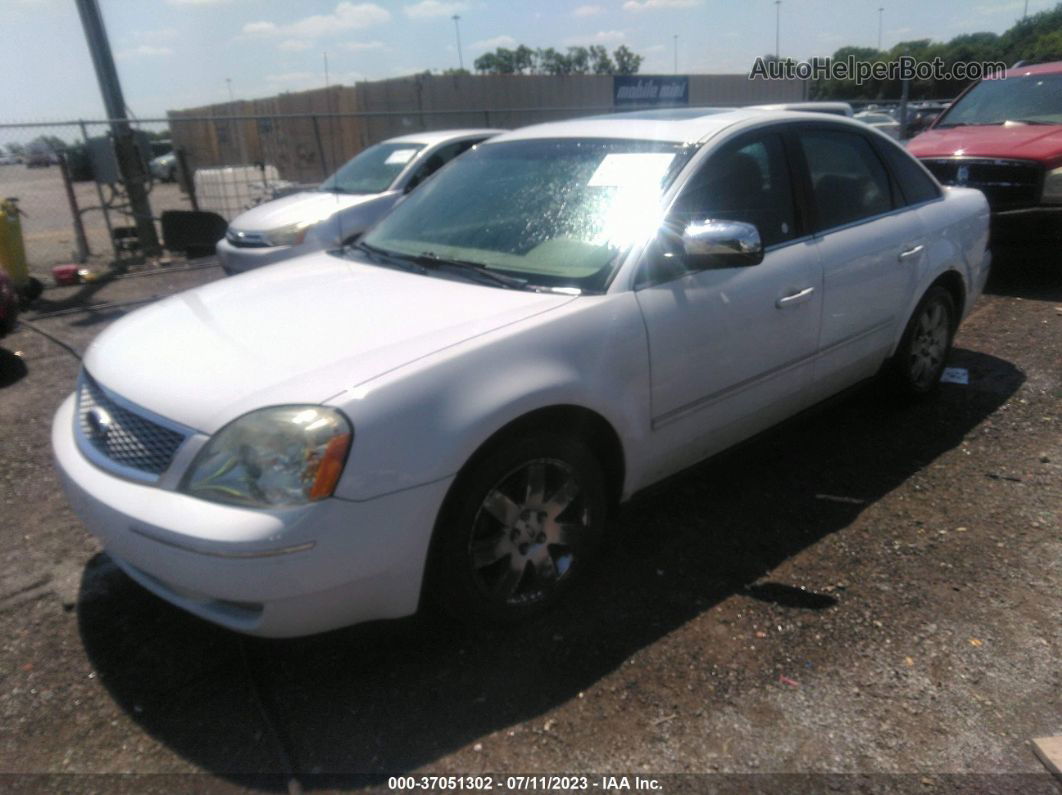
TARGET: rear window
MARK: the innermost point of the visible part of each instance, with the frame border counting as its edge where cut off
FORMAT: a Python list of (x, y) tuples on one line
[(848, 181), (915, 184)]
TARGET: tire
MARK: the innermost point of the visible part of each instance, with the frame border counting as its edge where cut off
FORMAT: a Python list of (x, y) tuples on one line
[(518, 528), (915, 369)]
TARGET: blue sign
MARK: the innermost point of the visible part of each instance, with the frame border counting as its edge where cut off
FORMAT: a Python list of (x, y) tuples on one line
[(637, 90)]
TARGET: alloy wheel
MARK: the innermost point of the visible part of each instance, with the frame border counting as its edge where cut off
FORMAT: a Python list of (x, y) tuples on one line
[(527, 532)]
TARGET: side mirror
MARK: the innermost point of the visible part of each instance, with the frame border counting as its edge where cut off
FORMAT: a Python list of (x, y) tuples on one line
[(721, 244)]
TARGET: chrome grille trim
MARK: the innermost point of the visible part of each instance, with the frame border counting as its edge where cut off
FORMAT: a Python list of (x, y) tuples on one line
[(137, 444), (1006, 183)]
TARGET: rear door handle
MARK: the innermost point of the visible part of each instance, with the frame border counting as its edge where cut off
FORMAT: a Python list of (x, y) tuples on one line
[(795, 298), (910, 252)]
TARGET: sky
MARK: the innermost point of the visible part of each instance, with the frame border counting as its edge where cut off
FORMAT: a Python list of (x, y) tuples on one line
[(174, 54)]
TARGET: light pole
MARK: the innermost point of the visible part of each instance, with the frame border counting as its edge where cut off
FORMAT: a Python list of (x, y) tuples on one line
[(676, 53), (881, 11), (457, 29), (777, 25)]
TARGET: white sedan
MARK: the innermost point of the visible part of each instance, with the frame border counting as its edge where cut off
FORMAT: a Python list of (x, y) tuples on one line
[(345, 204), (882, 122), (451, 407)]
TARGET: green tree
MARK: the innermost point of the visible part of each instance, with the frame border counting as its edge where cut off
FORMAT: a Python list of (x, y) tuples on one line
[(627, 61), (550, 61), (600, 62)]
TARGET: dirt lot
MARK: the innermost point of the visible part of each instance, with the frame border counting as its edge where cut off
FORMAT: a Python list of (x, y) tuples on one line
[(870, 592)]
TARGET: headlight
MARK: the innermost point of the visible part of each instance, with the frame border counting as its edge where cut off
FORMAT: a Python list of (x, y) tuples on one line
[(1053, 187), (274, 457), (290, 235)]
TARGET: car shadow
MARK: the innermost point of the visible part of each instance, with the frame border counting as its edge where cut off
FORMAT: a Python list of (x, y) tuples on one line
[(1034, 277), (351, 706)]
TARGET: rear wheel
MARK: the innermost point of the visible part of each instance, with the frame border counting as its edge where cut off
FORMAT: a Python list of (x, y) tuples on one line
[(919, 360), (519, 528)]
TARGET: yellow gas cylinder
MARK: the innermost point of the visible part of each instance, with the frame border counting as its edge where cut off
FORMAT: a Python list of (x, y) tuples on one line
[(12, 250)]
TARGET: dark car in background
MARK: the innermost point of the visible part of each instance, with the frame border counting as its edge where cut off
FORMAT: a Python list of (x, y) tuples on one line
[(1004, 136)]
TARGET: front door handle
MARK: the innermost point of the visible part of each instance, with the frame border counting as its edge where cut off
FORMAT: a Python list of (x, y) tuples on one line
[(910, 252), (795, 298)]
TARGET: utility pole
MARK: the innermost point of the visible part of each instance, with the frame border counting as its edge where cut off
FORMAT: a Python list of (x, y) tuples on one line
[(777, 26), (457, 29), (881, 11), (130, 163), (676, 53)]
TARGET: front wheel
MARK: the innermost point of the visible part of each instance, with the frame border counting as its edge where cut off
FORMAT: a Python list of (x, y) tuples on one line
[(519, 528), (918, 363)]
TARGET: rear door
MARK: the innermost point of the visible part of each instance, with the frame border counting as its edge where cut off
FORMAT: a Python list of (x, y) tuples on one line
[(869, 243)]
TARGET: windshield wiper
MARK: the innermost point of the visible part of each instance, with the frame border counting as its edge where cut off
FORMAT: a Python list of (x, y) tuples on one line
[(430, 259), (386, 258)]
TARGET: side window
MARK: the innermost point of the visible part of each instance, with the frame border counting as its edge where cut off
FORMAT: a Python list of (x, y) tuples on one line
[(915, 184), (848, 181), (745, 181), (435, 161)]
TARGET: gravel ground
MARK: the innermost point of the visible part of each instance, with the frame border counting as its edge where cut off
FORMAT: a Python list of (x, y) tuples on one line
[(870, 592)]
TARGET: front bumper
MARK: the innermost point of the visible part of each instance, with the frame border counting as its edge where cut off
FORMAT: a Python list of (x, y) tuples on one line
[(279, 573), (1029, 228), (237, 259)]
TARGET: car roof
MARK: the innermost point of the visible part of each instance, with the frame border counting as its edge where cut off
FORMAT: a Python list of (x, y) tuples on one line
[(835, 108), (433, 137), (674, 125), (1034, 69)]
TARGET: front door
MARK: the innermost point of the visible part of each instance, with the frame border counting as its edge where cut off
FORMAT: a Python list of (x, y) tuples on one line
[(732, 349)]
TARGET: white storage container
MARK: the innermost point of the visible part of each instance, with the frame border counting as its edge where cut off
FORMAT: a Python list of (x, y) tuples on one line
[(230, 190)]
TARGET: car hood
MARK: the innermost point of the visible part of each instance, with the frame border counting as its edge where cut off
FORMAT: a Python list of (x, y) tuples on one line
[(1024, 141), (301, 331), (313, 205)]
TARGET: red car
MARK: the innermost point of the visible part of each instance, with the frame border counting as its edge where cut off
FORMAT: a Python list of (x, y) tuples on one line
[(1004, 136), (8, 305)]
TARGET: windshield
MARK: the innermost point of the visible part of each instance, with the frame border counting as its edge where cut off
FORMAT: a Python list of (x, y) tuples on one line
[(373, 170), (1034, 98), (553, 212)]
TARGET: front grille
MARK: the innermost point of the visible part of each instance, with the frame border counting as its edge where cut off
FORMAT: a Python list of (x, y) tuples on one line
[(1007, 184), (122, 436)]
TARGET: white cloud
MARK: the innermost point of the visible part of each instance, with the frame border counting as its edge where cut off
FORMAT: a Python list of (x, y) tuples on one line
[(361, 46), (143, 51), (260, 29), (601, 37), (287, 78), (653, 49), (165, 34), (653, 5), (294, 45), (428, 9), (588, 11), (195, 2), (346, 16), (494, 43)]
